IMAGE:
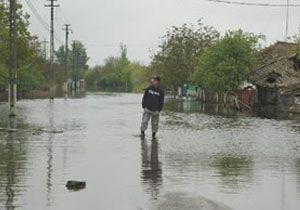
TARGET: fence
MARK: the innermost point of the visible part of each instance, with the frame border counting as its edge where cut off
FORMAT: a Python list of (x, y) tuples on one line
[(246, 97)]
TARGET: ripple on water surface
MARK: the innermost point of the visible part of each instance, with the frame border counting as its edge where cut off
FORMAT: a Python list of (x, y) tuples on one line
[(200, 160)]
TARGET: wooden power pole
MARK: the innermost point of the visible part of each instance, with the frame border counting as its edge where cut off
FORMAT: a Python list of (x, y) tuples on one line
[(67, 29), (52, 86), (287, 20), (12, 86), (74, 63)]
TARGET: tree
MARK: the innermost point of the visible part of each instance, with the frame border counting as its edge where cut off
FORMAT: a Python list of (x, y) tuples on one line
[(92, 76), (297, 40), (118, 73), (224, 66), (3, 43), (136, 77), (29, 54), (77, 58), (60, 56), (123, 49), (179, 52)]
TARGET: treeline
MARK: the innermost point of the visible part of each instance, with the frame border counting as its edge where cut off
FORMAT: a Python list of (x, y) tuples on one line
[(189, 54), (33, 69), (118, 73), (76, 61), (31, 65), (199, 55)]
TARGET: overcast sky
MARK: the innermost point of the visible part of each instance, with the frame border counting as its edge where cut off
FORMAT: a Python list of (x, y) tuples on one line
[(102, 24)]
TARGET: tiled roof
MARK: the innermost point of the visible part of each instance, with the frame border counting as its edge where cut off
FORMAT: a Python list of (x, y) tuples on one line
[(278, 67), (276, 51)]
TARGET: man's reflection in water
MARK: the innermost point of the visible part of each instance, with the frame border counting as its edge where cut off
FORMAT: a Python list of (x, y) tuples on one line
[(151, 168)]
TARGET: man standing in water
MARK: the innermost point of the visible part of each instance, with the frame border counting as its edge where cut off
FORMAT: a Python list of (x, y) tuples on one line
[(153, 102)]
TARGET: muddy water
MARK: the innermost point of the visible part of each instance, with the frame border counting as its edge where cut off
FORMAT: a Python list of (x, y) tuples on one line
[(201, 160)]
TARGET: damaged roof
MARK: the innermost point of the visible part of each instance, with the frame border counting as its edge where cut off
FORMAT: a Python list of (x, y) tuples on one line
[(276, 51), (278, 67)]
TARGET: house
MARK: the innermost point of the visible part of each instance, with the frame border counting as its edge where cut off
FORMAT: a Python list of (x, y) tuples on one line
[(186, 90), (277, 76)]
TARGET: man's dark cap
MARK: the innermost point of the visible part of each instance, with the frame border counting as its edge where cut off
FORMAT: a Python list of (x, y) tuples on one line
[(157, 78)]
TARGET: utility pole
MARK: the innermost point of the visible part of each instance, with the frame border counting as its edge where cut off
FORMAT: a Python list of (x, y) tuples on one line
[(12, 87), (74, 63), (77, 66), (45, 42), (52, 6), (67, 29), (287, 20)]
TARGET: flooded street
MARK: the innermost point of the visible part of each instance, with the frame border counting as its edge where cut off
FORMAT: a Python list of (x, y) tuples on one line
[(199, 161)]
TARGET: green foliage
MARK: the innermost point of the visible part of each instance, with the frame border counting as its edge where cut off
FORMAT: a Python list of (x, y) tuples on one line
[(79, 56), (30, 77), (33, 70), (138, 79), (77, 59), (178, 54), (224, 66), (3, 75), (29, 59), (92, 76), (60, 55), (115, 72), (297, 40), (3, 42), (4, 36), (118, 73)]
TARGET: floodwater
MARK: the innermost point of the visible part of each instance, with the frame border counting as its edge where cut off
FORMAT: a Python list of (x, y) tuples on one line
[(201, 160)]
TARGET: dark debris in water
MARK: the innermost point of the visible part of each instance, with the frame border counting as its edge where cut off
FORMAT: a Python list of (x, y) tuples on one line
[(34, 131), (75, 185)]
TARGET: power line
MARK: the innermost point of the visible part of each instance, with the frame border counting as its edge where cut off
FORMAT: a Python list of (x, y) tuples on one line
[(67, 20), (40, 19), (288, 5), (58, 20), (56, 36), (63, 15), (37, 15), (252, 4)]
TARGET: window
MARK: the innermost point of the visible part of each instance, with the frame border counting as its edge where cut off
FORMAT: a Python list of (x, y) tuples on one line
[(271, 80)]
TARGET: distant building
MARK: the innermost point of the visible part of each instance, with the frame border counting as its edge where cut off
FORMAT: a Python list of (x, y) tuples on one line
[(277, 76), (186, 90)]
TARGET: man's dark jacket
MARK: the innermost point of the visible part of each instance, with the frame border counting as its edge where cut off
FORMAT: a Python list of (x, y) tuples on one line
[(153, 99)]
